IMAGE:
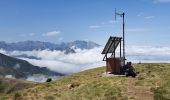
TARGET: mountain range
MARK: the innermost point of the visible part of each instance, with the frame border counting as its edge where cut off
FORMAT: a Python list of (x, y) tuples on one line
[(38, 45)]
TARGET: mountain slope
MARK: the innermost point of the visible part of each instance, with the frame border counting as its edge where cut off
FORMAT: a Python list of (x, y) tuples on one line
[(21, 68), (151, 83), (8, 85)]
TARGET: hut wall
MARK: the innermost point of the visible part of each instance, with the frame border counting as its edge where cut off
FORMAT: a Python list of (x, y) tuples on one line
[(113, 65)]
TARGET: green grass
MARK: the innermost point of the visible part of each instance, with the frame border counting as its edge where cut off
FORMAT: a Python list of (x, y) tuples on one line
[(86, 85), (8, 86), (157, 76), (90, 85)]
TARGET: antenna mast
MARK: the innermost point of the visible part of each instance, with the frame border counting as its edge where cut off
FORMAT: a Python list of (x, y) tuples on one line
[(122, 15)]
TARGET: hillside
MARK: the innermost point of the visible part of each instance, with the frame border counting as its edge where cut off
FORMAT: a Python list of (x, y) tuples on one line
[(153, 82), (8, 85), (20, 68)]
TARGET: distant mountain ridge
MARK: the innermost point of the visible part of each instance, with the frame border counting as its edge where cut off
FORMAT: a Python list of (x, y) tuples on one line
[(38, 45), (21, 68)]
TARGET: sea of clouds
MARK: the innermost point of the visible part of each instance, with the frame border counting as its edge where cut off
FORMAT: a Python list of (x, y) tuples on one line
[(86, 59), (59, 61)]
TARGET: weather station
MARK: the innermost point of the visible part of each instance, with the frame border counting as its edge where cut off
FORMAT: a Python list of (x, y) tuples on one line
[(113, 63)]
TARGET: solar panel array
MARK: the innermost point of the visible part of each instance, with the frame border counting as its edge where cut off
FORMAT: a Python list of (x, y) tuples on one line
[(111, 45)]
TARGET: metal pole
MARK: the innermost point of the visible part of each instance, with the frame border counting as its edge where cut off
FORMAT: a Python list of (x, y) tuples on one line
[(114, 47), (120, 48), (122, 15), (124, 39)]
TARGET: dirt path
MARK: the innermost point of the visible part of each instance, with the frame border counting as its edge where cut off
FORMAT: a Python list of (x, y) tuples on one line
[(137, 92)]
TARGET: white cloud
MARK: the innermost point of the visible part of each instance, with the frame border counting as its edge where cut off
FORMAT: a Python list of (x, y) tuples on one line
[(148, 50), (113, 21), (9, 76), (60, 39), (169, 27), (103, 24), (60, 62), (161, 1), (52, 33), (148, 54), (94, 26), (41, 78), (3, 51), (136, 30), (149, 17), (85, 59), (140, 14), (25, 35), (31, 34), (17, 66), (22, 35), (55, 65)]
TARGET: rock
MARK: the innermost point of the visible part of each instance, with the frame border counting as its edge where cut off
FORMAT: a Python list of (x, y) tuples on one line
[(49, 80), (73, 85)]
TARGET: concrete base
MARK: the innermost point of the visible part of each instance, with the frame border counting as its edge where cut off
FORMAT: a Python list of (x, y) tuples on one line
[(111, 75)]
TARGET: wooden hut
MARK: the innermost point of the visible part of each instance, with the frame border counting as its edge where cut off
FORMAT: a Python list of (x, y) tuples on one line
[(113, 63)]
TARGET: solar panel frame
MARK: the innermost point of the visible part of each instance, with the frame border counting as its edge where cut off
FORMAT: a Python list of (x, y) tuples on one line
[(111, 45)]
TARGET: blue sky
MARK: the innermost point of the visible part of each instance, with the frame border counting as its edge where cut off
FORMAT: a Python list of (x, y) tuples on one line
[(147, 21)]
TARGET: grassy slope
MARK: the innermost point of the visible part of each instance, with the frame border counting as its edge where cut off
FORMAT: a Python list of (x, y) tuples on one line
[(8, 86), (157, 77), (90, 85), (86, 85)]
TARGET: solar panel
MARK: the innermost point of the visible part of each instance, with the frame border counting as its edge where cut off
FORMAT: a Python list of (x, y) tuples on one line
[(111, 45)]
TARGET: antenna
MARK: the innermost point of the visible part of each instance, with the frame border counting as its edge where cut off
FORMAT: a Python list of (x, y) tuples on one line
[(115, 14), (122, 15)]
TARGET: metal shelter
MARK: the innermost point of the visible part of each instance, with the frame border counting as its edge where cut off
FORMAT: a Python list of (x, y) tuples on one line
[(113, 63)]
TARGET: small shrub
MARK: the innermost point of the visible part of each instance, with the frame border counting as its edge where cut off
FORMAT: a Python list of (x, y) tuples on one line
[(152, 89), (159, 96), (49, 98), (3, 98), (73, 85), (132, 97), (17, 96), (141, 77), (124, 98), (152, 75), (2, 89), (25, 93)]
